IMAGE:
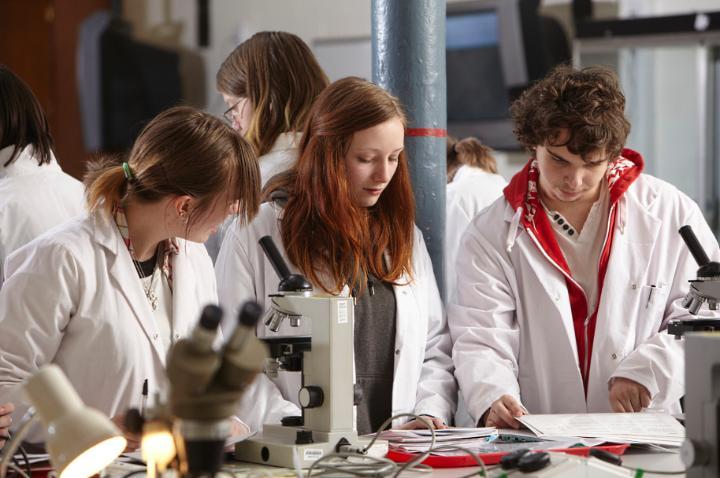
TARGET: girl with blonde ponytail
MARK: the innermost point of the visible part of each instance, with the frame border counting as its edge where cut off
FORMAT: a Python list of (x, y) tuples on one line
[(105, 295)]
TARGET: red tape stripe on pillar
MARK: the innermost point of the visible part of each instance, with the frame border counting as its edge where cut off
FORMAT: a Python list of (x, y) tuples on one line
[(435, 132)]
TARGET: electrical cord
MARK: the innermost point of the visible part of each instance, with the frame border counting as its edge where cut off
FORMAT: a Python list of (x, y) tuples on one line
[(352, 464), (18, 470), (16, 465), (28, 469), (339, 464), (359, 464)]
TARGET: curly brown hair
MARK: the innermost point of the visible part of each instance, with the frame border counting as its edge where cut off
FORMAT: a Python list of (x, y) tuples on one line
[(587, 102)]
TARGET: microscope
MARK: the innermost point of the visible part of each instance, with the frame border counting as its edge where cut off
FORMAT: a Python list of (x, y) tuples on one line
[(206, 384), (700, 451), (322, 350)]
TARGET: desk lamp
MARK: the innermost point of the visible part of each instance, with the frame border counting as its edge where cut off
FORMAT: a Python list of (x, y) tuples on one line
[(81, 441)]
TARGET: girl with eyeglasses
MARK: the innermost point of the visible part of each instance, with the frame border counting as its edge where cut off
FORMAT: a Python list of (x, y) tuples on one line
[(268, 84), (344, 218)]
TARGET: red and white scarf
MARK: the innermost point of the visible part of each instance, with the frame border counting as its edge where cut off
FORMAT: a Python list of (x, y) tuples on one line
[(169, 247)]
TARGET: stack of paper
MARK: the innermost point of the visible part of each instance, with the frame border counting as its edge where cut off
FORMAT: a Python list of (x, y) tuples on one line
[(418, 441), (644, 428), (478, 441)]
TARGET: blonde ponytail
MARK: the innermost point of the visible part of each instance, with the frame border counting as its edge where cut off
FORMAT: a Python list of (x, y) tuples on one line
[(105, 184), (182, 151)]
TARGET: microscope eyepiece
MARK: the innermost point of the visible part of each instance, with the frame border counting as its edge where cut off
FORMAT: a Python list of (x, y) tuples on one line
[(696, 249), (250, 314), (288, 282), (211, 317), (273, 255), (295, 283)]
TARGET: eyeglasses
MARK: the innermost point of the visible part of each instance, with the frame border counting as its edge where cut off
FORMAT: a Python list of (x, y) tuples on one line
[(229, 113)]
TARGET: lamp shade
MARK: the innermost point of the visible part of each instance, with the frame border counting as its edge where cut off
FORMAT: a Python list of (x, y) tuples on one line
[(81, 440)]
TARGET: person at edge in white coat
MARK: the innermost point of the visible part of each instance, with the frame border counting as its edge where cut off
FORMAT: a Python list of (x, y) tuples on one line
[(567, 283), (269, 83), (473, 184), (35, 194), (352, 233), (121, 284)]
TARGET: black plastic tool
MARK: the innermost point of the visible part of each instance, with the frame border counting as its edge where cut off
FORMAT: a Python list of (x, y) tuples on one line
[(534, 461), (606, 456), (510, 461)]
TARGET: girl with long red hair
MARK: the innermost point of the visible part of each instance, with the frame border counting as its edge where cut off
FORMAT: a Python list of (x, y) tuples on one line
[(344, 218)]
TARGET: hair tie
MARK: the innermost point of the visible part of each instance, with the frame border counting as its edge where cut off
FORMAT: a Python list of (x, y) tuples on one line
[(128, 172)]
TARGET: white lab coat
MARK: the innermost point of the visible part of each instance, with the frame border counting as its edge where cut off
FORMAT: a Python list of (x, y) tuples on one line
[(73, 298), (33, 199), (471, 190), (512, 324), (280, 158), (423, 375)]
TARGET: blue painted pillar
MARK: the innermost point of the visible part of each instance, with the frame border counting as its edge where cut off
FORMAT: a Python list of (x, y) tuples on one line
[(408, 60)]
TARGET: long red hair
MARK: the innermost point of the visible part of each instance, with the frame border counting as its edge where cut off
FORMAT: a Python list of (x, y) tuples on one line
[(331, 240)]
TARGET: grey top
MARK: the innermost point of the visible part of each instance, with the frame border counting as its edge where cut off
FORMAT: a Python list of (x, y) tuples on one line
[(374, 353)]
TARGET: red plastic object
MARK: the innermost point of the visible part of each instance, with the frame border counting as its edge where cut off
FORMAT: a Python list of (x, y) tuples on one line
[(40, 470), (436, 461)]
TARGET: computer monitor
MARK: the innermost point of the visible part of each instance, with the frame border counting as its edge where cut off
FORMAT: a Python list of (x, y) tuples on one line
[(494, 49)]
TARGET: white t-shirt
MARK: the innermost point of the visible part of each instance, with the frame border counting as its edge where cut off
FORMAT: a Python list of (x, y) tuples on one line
[(582, 249)]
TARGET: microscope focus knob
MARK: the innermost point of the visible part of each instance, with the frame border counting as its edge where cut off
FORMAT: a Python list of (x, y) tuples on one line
[(311, 396), (303, 437)]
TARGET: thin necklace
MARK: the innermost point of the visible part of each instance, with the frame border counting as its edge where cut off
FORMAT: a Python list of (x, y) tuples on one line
[(149, 289)]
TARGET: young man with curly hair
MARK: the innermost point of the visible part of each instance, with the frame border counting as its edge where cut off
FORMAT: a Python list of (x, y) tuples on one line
[(567, 283)]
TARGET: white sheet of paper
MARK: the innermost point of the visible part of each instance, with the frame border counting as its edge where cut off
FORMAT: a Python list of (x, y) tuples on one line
[(658, 428)]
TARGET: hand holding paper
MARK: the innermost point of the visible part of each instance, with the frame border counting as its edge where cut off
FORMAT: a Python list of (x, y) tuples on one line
[(503, 412), (628, 396)]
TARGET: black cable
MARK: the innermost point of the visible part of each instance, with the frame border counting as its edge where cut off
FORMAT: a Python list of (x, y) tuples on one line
[(371, 467), (15, 464), (28, 468), (24, 455)]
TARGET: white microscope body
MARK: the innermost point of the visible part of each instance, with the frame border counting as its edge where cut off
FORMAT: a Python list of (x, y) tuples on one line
[(327, 392), (700, 451)]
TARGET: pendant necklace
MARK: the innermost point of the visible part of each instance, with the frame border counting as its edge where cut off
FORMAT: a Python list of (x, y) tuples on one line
[(149, 290)]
